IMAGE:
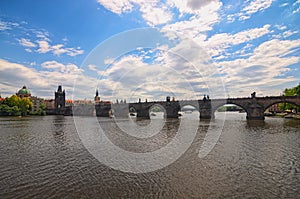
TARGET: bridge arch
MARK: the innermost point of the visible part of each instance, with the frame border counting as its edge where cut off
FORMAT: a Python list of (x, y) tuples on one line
[(193, 103), (189, 111), (216, 106), (279, 102), (155, 109), (132, 110)]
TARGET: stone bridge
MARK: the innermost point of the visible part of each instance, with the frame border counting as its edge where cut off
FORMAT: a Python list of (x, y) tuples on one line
[(254, 106)]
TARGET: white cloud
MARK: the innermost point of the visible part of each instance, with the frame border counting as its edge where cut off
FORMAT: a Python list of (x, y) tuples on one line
[(43, 83), (57, 49), (280, 27), (44, 47), (196, 4), (42, 35), (296, 11), (117, 6), (182, 71), (43, 43), (20, 74), (289, 33), (56, 66), (92, 67), (74, 52), (26, 43), (219, 42), (156, 12), (65, 39), (5, 25), (108, 61), (265, 67), (202, 20), (283, 5), (297, 2), (53, 65), (255, 6), (276, 48), (155, 15)]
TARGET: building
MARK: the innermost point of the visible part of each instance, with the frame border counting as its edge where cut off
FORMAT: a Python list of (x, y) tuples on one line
[(274, 109), (36, 103), (50, 105), (23, 92), (60, 101), (77, 102)]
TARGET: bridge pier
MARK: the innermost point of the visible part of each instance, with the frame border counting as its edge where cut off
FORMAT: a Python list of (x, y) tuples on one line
[(142, 111), (206, 114), (172, 109), (255, 112), (103, 109), (205, 110)]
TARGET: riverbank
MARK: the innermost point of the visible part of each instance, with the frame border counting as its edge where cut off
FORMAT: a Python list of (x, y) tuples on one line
[(288, 115)]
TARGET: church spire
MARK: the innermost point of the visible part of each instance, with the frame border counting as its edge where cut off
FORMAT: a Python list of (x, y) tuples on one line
[(97, 98)]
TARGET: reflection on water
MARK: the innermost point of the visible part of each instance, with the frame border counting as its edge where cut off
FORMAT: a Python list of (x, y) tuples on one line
[(43, 157)]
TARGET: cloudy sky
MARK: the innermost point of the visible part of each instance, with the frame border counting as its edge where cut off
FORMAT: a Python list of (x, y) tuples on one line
[(132, 49)]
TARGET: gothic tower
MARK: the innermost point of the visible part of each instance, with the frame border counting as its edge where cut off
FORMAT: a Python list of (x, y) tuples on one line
[(97, 97), (60, 100)]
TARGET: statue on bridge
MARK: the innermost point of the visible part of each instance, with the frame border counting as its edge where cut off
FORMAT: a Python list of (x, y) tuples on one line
[(253, 95)]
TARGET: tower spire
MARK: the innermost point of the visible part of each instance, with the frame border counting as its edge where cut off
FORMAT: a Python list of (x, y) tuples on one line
[(97, 98)]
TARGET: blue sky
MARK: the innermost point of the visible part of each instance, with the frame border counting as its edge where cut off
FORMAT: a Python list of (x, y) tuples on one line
[(134, 49)]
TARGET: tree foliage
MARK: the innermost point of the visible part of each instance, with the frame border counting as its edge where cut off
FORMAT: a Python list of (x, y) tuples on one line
[(15, 106), (295, 91)]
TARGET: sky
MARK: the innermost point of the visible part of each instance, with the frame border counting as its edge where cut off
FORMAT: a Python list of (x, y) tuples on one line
[(130, 49)]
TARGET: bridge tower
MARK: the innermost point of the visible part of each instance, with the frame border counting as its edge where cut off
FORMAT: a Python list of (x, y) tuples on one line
[(60, 101)]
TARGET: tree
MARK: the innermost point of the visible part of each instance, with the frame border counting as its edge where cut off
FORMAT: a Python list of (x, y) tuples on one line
[(295, 91), (15, 106), (42, 109), (25, 105), (12, 101)]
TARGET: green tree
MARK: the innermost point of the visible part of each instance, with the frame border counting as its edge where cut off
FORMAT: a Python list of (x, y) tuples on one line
[(42, 109), (295, 91), (25, 105), (15, 106), (7, 110), (12, 101)]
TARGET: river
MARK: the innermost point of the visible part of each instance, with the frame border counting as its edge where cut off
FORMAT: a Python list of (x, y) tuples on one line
[(45, 157)]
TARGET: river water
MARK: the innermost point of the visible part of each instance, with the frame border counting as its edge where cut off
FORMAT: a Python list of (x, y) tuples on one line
[(44, 157)]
